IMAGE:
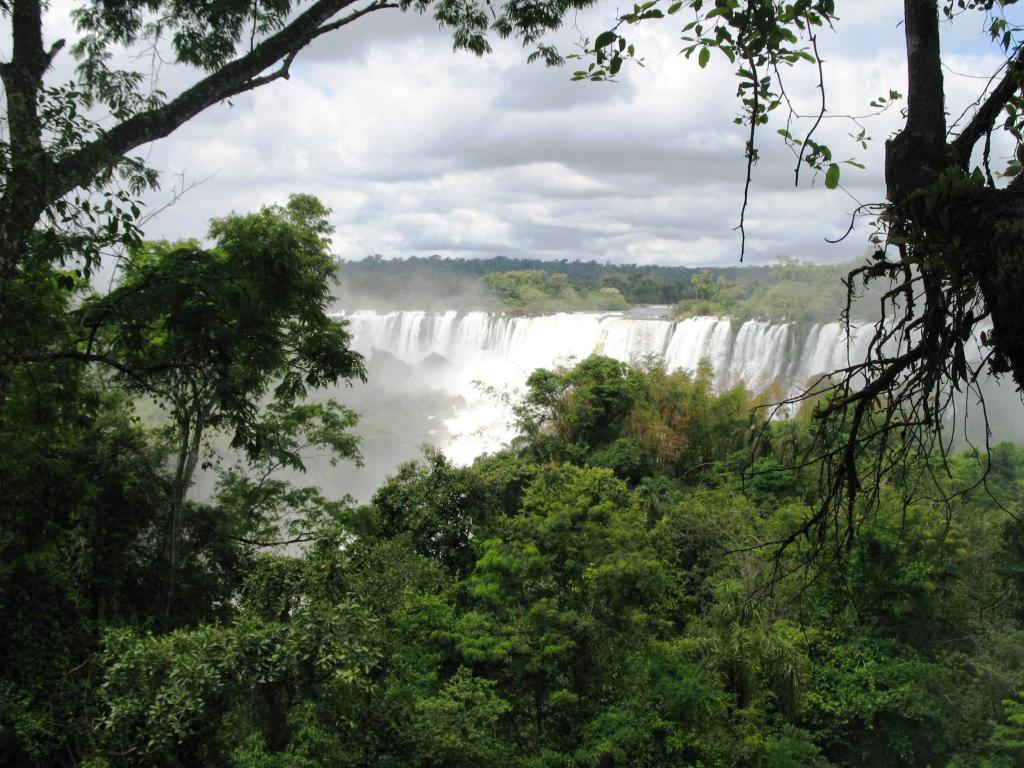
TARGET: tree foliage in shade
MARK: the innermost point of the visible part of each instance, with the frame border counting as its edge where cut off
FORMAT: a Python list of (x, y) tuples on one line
[(96, 531), (584, 618), (588, 598)]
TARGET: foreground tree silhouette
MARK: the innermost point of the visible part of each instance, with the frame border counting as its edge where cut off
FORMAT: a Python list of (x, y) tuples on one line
[(949, 239)]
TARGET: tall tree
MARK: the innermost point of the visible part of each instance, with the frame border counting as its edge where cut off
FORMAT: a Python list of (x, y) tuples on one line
[(211, 333)]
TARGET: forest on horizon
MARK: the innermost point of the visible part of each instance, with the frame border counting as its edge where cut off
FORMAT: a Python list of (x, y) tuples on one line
[(789, 290)]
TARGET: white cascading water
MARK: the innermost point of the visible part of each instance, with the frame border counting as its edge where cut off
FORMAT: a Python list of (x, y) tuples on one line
[(486, 353)]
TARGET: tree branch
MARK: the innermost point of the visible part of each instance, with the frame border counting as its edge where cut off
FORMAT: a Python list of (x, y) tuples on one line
[(751, 159), (377, 6), (984, 119), (238, 76), (918, 153), (52, 53), (303, 539), (138, 376), (281, 73), (821, 111)]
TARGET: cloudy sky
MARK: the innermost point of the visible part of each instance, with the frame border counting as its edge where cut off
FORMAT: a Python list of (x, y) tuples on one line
[(419, 150)]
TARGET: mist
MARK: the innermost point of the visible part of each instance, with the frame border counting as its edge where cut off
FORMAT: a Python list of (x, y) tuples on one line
[(445, 362)]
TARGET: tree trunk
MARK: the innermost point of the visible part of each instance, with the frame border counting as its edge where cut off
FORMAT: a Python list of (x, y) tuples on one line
[(975, 239), (24, 197), (190, 440), (918, 154)]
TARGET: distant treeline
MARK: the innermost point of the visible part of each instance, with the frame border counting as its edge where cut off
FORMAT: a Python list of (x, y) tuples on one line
[(789, 290)]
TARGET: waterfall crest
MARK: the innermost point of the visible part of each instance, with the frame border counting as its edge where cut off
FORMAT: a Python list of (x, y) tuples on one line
[(485, 352)]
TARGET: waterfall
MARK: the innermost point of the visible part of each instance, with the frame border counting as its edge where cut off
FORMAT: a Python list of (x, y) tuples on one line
[(490, 352)]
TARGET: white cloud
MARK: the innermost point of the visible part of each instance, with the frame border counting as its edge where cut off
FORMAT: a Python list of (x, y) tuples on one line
[(418, 149)]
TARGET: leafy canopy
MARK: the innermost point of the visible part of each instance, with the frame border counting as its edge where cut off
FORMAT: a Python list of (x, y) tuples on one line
[(216, 328)]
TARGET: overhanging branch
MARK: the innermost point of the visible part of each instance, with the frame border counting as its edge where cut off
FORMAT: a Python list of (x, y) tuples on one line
[(378, 6), (284, 71), (242, 74), (984, 119), (70, 355)]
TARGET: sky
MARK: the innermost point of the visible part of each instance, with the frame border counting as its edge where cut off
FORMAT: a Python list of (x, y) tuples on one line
[(419, 150)]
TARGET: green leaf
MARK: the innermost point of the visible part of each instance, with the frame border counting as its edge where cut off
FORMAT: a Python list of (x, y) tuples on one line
[(605, 38), (832, 176), (704, 57)]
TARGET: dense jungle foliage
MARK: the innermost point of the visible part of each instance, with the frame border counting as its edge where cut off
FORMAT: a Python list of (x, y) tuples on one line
[(602, 593), (608, 591)]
